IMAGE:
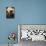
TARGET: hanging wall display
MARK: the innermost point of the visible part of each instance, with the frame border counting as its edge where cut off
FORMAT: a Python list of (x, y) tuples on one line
[(32, 32), (10, 12)]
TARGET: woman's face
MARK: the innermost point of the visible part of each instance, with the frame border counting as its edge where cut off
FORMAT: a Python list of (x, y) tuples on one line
[(10, 13)]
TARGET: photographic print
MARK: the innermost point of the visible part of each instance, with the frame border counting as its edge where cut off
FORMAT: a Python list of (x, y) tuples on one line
[(10, 12), (33, 32), (30, 34)]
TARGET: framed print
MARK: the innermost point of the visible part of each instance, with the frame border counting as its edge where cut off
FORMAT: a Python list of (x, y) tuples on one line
[(32, 32), (10, 12)]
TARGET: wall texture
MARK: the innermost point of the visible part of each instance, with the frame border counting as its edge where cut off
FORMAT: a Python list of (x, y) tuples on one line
[(27, 12)]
